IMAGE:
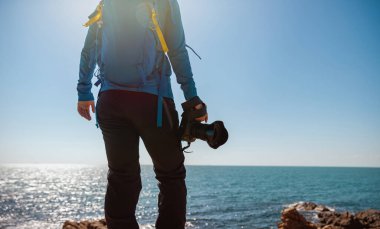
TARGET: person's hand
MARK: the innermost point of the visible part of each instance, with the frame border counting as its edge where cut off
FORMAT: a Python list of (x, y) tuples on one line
[(204, 117), (84, 109)]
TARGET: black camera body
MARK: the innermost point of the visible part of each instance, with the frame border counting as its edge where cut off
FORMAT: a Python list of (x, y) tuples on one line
[(214, 134)]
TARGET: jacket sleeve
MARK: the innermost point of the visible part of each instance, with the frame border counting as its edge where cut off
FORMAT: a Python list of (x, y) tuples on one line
[(179, 58), (87, 65)]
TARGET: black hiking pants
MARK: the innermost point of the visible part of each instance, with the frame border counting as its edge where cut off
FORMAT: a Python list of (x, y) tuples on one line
[(124, 117)]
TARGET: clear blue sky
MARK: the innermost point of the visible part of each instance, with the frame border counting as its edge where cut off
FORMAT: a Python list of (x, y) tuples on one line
[(296, 82)]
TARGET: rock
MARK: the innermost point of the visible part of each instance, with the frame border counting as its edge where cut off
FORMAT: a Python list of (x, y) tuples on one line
[(321, 208), (339, 220), (369, 218), (365, 219), (97, 224), (293, 218), (310, 206)]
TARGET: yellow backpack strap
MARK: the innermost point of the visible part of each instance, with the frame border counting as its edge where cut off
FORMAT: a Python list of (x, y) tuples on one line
[(96, 16), (158, 30)]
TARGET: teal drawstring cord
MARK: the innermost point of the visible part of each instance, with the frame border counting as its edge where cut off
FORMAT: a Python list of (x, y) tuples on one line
[(188, 46), (160, 99)]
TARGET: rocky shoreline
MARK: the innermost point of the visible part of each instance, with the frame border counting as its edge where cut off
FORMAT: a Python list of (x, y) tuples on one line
[(303, 215), (308, 215), (87, 224)]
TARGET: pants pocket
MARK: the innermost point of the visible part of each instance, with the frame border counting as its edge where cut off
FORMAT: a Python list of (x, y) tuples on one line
[(171, 113)]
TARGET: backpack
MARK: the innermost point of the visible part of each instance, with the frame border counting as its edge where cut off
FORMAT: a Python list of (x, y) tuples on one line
[(133, 46), (130, 36), (130, 46)]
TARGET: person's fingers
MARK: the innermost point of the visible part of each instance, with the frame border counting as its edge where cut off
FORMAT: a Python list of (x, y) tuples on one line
[(201, 119), (199, 106), (93, 107), (81, 111), (84, 112), (87, 114)]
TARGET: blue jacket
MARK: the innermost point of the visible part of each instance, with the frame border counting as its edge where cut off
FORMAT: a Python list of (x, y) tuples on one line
[(171, 25)]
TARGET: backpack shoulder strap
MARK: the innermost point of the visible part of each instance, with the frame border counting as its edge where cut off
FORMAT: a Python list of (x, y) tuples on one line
[(157, 28), (95, 16), (165, 49)]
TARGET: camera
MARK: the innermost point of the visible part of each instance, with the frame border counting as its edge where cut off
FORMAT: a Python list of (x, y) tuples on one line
[(215, 134)]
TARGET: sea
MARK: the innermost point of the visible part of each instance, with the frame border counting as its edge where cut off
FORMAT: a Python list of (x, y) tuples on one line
[(44, 196)]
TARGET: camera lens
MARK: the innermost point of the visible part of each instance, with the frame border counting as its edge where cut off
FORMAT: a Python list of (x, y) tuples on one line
[(215, 134)]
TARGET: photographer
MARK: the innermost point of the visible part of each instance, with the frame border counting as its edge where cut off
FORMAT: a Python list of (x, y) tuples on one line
[(127, 111)]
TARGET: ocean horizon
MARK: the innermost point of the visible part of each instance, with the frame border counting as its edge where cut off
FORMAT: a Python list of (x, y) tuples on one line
[(219, 196), (195, 165)]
